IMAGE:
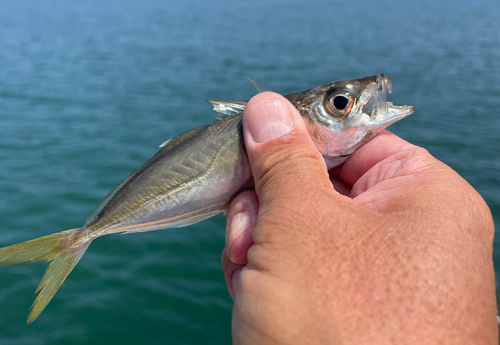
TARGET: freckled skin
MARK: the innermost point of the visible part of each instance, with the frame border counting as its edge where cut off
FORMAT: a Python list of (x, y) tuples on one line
[(401, 253)]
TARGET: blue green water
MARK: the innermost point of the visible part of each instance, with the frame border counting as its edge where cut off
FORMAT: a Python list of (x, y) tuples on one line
[(89, 90)]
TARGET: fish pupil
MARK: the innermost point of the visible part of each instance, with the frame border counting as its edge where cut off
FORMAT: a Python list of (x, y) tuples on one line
[(340, 102)]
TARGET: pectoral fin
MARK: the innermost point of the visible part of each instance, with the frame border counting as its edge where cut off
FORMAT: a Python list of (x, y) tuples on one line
[(228, 108)]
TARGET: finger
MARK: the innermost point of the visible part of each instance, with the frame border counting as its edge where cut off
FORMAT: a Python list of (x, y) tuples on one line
[(340, 186), (336, 170), (241, 219), (402, 181), (282, 155), (230, 270), (384, 145)]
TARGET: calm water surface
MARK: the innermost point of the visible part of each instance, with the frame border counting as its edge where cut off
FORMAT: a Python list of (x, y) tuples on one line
[(89, 91)]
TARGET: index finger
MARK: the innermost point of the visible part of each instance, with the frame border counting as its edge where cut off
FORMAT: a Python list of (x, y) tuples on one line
[(384, 145)]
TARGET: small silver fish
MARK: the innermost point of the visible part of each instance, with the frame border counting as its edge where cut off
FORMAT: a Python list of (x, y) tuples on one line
[(196, 174)]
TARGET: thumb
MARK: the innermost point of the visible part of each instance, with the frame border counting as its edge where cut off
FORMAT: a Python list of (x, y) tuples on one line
[(285, 163)]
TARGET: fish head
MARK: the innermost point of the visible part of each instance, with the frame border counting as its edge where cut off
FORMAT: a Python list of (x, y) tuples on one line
[(344, 115)]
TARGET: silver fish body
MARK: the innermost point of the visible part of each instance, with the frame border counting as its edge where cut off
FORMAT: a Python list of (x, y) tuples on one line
[(196, 174), (192, 178)]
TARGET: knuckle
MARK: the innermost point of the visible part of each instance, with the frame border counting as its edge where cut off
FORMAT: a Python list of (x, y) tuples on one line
[(290, 165), (419, 156), (481, 217), (449, 196), (419, 152)]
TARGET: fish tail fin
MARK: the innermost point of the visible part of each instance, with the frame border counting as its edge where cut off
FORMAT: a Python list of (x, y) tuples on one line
[(64, 249)]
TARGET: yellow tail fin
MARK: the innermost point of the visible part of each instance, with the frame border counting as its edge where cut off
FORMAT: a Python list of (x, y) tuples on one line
[(61, 248)]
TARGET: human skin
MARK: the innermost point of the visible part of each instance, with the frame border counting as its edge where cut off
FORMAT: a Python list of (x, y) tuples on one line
[(393, 247)]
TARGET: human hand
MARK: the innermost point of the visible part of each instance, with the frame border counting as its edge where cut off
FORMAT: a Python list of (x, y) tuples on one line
[(405, 257)]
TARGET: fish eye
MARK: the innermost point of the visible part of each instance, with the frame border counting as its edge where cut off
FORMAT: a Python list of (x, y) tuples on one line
[(338, 103)]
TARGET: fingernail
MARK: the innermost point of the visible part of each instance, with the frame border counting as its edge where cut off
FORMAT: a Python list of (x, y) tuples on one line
[(270, 119), (239, 222)]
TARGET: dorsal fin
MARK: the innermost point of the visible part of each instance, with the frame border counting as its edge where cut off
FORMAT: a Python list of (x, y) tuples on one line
[(231, 108), (258, 86), (228, 108)]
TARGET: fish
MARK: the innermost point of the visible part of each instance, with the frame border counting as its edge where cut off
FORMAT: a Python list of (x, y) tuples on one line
[(195, 175)]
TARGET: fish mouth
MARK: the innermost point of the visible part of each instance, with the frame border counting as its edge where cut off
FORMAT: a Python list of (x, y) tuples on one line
[(395, 113), (375, 105)]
